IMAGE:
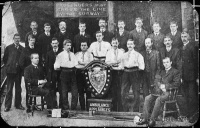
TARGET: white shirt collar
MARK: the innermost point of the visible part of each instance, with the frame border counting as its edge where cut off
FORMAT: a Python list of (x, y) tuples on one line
[(138, 29), (168, 48), (102, 29), (168, 69), (47, 33), (55, 49), (63, 31), (174, 33), (186, 43), (34, 64), (156, 33), (82, 33)]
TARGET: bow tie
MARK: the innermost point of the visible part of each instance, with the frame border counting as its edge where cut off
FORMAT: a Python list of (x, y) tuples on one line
[(36, 67), (34, 33)]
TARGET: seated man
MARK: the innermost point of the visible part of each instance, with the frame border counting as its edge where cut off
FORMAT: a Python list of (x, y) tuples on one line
[(34, 75), (168, 78)]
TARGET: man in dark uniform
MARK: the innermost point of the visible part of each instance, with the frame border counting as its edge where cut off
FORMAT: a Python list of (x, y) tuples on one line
[(34, 32), (62, 34), (189, 74), (175, 35), (169, 78), (152, 65), (35, 75), (25, 60), (122, 35), (14, 73), (157, 37), (107, 36), (173, 53), (81, 37), (44, 41), (53, 75), (138, 35)]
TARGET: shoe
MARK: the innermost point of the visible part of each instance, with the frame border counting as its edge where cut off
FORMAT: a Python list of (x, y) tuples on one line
[(151, 123), (37, 109), (141, 122), (49, 113), (28, 110), (20, 107), (6, 109)]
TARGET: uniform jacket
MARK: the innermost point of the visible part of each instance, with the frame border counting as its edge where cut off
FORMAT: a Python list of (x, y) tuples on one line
[(36, 38), (139, 39), (50, 60), (171, 78), (158, 41), (177, 42), (189, 62), (174, 55), (44, 42), (107, 36), (11, 58), (123, 39), (78, 39), (61, 37), (25, 59), (154, 62), (32, 75)]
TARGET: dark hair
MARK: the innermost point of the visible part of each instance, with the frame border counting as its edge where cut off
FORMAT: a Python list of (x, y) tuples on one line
[(131, 40), (98, 32), (168, 37), (173, 22), (121, 21), (31, 56), (47, 24), (138, 19), (33, 22), (16, 34), (31, 37), (54, 38), (67, 41)]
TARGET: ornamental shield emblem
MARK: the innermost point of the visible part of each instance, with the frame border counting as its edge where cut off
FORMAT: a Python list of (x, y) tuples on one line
[(98, 78)]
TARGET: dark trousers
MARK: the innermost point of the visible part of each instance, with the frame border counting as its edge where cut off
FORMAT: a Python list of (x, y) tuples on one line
[(69, 79), (11, 80), (55, 84), (146, 83), (46, 93), (130, 79), (149, 104), (116, 90), (82, 87), (190, 93)]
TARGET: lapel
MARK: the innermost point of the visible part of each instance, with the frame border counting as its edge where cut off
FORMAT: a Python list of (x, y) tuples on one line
[(151, 54), (164, 74)]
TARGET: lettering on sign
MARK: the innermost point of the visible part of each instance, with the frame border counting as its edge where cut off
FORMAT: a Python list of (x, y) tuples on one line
[(95, 105), (80, 9)]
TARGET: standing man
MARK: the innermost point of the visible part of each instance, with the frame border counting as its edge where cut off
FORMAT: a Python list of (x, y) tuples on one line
[(107, 36), (114, 59), (169, 78), (122, 35), (45, 41), (152, 65), (14, 73), (66, 61), (34, 32), (173, 53), (53, 75), (189, 74), (25, 60), (81, 37), (35, 75), (62, 34), (157, 37), (175, 35), (84, 57), (132, 62), (138, 35), (100, 48)]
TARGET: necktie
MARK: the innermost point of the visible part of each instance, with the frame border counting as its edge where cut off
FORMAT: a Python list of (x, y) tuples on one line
[(36, 67), (99, 46), (83, 56), (69, 56), (16, 46), (184, 46)]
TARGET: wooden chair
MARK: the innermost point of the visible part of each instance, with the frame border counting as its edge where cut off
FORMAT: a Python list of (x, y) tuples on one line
[(32, 97), (172, 100)]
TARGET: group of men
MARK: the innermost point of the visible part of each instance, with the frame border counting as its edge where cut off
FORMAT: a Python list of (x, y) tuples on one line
[(135, 57)]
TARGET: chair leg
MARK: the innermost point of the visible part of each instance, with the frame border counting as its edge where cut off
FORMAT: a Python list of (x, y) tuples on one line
[(32, 105), (42, 103), (178, 111), (164, 112)]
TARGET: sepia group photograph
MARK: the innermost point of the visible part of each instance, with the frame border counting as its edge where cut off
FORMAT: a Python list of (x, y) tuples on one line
[(100, 64)]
